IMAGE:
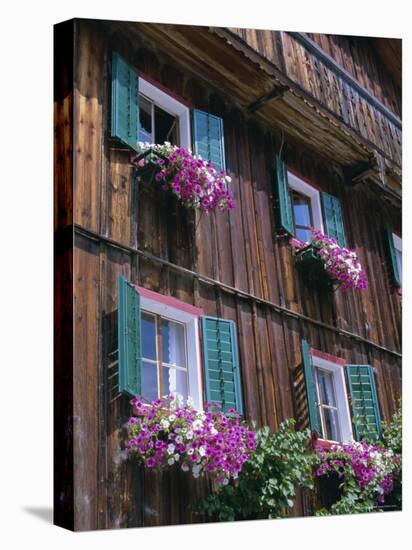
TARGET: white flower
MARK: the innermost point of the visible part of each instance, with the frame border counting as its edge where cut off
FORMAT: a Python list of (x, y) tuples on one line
[(197, 424), (172, 417), (179, 439), (177, 456), (164, 423), (171, 461), (190, 452), (196, 474), (202, 450), (185, 466), (190, 402), (170, 449), (213, 431), (189, 435), (225, 481)]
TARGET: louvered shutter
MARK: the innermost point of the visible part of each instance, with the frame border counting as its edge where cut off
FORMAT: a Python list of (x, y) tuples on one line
[(311, 393), (208, 138), (365, 407), (128, 317), (392, 256), (282, 192), (221, 363), (332, 213), (125, 102)]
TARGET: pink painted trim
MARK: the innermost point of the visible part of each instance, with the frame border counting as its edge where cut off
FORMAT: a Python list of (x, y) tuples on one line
[(327, 444), (165, 89), (328, 357), (296, 243), (303, 178), (169, 301)]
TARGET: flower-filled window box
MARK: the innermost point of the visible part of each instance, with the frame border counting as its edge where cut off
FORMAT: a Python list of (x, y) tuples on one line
[(167, 432), (195, 182), (322, 262)]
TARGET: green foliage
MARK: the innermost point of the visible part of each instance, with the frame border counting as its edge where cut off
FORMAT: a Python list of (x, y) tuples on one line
[(392, 439), (392, 432), (382, 459), (266, 487)]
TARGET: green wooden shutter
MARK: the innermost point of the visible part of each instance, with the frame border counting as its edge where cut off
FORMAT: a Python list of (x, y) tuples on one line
[(221, 363), (365, 406), (128, 317), (125, 102), (208, 138), (392, 256), (282, 192), (311, 392), (333, 218)]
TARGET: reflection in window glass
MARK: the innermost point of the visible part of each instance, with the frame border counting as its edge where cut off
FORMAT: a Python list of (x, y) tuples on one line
[(175, 381), (302, 214), (399, 261), (327, 405), (173, 343), (148, 332), (146, 120), (149, 381), (163, 347)]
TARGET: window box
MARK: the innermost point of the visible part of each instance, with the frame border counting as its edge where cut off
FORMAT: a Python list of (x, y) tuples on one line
[(312, 268), (146, 164)]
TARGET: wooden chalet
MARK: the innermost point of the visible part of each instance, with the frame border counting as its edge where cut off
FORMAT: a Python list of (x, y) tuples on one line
[(309, 129)]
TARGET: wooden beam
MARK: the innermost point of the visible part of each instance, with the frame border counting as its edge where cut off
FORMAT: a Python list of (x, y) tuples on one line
[(231, 289)]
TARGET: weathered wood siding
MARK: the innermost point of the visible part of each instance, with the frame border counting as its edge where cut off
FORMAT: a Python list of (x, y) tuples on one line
[(359, 57), (339, 97), (119, 224)]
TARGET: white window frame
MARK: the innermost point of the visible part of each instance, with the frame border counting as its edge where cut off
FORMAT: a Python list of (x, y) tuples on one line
[(397, 243), (342, 402), (191, 323), (172, 106), (300, 186)]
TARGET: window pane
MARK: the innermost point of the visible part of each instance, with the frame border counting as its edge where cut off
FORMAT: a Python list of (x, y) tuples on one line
[(331, 424), (399, 261), (175, 381), (327, 394), (173, 343), (148, 328), (302, 210), (166, 126), (146, 125), (303, 235), (149, 381)]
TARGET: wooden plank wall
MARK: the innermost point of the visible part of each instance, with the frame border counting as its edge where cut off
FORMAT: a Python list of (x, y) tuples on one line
[(63, 499), (354, 55), (239, 249), (358, 56)]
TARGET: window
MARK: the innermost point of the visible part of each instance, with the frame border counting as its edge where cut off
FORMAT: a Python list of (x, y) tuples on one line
[(333, 406), (302, 216), (397, 243), (170, 348), (162, 118), (159, 350), (329, 414), (300, 207), (306, 207)]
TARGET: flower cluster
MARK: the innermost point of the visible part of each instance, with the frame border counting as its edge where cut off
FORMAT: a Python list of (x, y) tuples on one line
[(341, 264), (166, 432), (372, 467), (194, 181)]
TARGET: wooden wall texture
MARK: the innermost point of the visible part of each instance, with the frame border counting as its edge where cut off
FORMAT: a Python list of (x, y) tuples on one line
[(357, 57), (122, 227)]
